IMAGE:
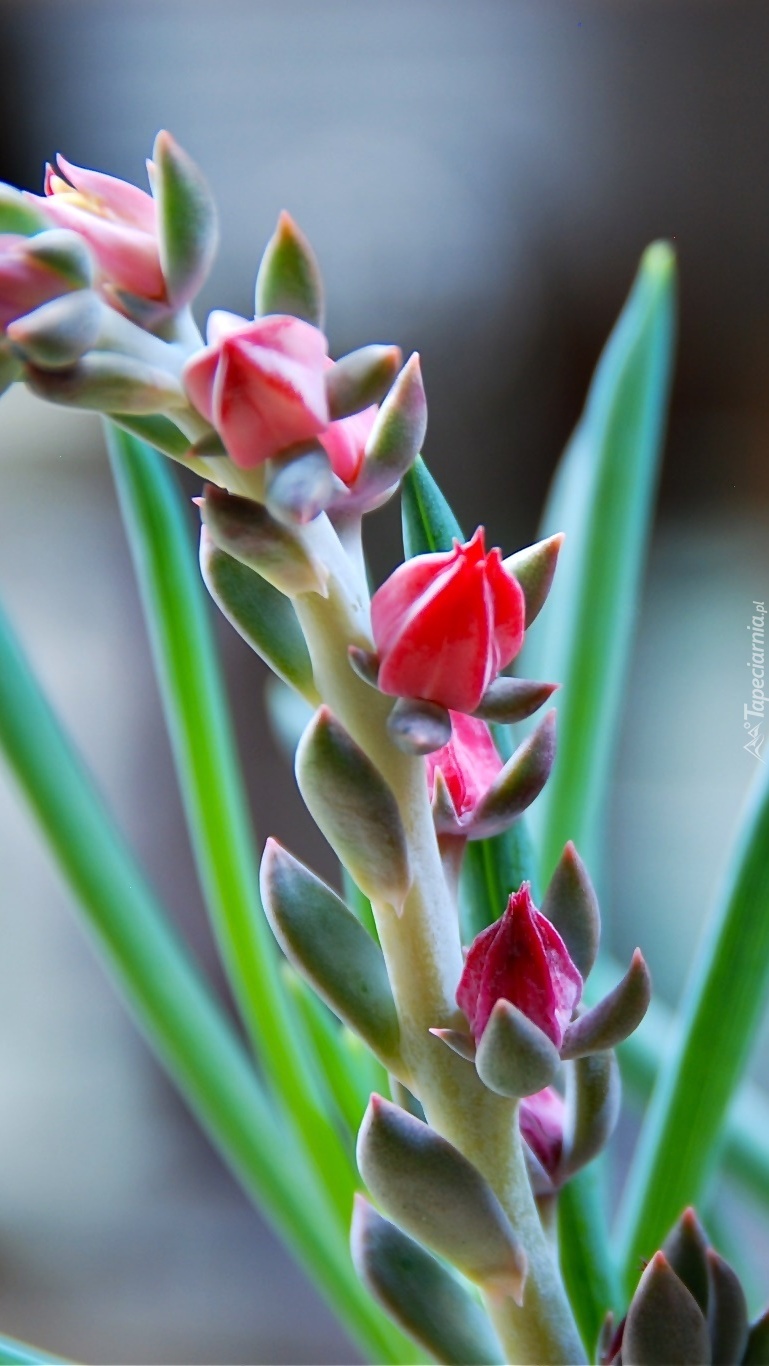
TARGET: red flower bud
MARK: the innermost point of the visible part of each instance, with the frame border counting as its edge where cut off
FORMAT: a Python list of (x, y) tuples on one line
[(521, 958), (468, 765), (445, 624), (260, 384), (344, 442), (541, 1118)]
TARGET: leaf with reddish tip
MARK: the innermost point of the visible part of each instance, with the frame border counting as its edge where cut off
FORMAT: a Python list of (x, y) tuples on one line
[(58, 333), (349, 799), (665, 1326), (289, 278), (534, 568), (187, 225), (422, 1296), (515, 1057), (509, 700), (571, 905), (247, 531), (361, 379), (459, 1043), (105, 381), (727, 1312), (520, 782), (330, 947), (397, 435), (686, 1248), (431, 1190), (615, 1017)]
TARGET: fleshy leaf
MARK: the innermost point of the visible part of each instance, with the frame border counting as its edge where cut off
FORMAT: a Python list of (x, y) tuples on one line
[(187, 226), (289, 279), (515, 1057), (615, 1017), (570, 903), (664, 1324)]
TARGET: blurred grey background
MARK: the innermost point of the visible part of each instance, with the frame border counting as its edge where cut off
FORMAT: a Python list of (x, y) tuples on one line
[(479, 182)]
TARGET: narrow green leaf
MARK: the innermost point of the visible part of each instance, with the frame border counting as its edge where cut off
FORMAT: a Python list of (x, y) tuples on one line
[(602, 499), (589, 1274), (159, 431), (331, 1060), (187, 227), (679, 1145), (213, 792), (13, 1353), (167, 996), (428, 522)]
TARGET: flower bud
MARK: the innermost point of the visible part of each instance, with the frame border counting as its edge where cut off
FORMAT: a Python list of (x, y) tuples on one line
[(289, 279), (330, 947), (468, 764), (261, 385), (355, 809), (116, 219), (541, 1119), (345, 443), (431, 1190), (445, 624), (418, 1292), (186, 220), (522, 959), (664, 1322)]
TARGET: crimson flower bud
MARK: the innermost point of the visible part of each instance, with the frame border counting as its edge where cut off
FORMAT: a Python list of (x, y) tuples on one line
[(541, 1120), (344, 442), (445, 624), (522, 959), (468, 765), (260, 384), (116, 219)]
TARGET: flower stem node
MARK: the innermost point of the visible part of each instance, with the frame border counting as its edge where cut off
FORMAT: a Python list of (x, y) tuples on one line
[(289, 279), (421, 1295), (418, 727), (328, 945), (299, 485), (571, 905), (361, 379), (260, 613), (614, 1018), (534, 568), (431, 1191), (355, 808), (515, 1057), (247, 531), (509, 700)]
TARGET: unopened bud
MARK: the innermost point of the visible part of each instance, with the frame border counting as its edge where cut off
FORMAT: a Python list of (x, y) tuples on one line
[(289, 278), (664, 1321), (355, 809), (330, 947)]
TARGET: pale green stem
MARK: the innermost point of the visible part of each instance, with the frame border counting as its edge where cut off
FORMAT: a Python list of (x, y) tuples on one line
[(424, 960)]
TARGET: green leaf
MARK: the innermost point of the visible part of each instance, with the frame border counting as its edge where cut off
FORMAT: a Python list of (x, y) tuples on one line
[(602, 498), (588, 1270), (721, 1012), (420, 1293), (213, 792), (187, 228), (159, 431), (168, 997), (13, 1353), (428, 522), (17, 215), (289, 279)]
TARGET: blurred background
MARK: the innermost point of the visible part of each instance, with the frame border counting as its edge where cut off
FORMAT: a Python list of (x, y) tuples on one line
[(478, 182)]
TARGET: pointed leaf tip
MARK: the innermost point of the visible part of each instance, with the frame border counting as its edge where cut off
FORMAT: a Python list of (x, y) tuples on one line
[(570, 903), (289, 278)]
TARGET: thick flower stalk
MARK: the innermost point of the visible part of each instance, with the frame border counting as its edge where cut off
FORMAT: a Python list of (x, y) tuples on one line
[(503, 1085)]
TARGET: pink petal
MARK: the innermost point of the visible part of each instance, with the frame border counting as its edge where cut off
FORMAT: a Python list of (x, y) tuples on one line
[(127, 202)]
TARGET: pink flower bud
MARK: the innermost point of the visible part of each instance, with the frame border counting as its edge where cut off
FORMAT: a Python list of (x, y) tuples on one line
[(468, 765), (25, 281), (445, 624), (541, 1118), (345, 443), (522, 959), (117, 220), (260, 384)]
